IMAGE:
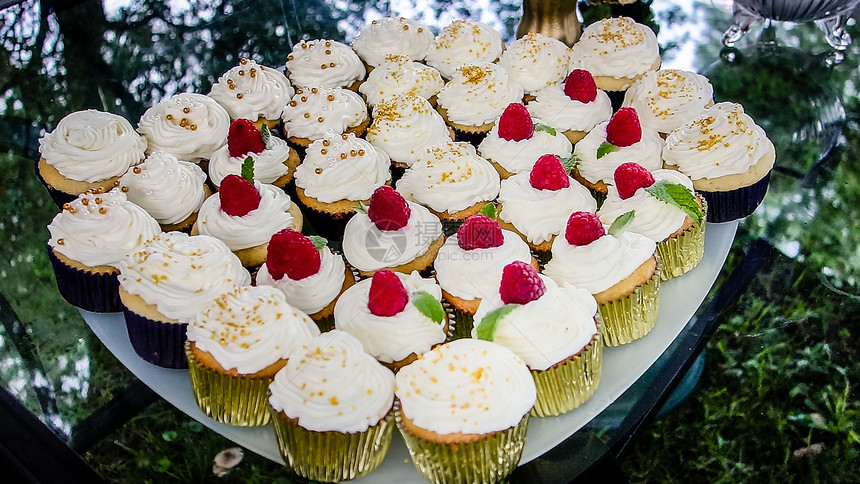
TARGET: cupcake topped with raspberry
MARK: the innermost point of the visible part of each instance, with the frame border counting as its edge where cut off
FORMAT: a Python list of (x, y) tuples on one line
[(326, 63), (252, 91), (574, 106), (274, 161), (392, 36)]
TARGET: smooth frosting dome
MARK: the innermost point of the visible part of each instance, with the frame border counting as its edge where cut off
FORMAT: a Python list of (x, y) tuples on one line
[(250, 328), (313, 293), (615, 47), (181, 274), (518, 156), (316, 111), (268, 164), (92, 145), (392, 35), (464, 42), (342, 167), (169, 189), (99, 229), (669, 98), (547, 330), (646, 152), (331, 384), (326, 63), (251, 91), (188, 126), (536, 61), (397, 74), (252, 229), (466, 386), (561, 112), (478, 93), (390, 338), (404, 126)]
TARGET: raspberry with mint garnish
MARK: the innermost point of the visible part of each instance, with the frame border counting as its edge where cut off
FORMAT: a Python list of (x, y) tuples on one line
[(630, 177), (548, 174), (388, 209), (293, 254), (243, 138), (238, 196), (520, 284), (580, 86), (516, 123), (583, 228), (479, 232), (387, 295), (624, 128)]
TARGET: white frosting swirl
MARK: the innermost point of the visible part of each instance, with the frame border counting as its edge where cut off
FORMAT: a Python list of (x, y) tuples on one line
[(520, 156), (464, 42), (547, 330), (252, 91), (326, 63), (181, 274), (169, 189), (561, 112), (466, 386), (316, 111), (646, 152), (390, 338), (520, 203), (268, 164), (100, 229), (405, 125), (450, 177), (331, 384), (536, 61), (252, 229), (314, 292), (342, 167), (397, 74), (616, 47), (392, 35), (250, 328), (477, 94), (669, 98), (188, 126), (92, 145)]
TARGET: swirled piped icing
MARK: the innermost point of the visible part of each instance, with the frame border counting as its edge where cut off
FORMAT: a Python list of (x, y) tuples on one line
[(251, 91), (250, 328), (536, 61), (397, 74), (601, 264), (169, 189), (330, 384), (450, 177), (390, 338), (367, 248), (268, 164), (669, 98), (464, 42), (547, 330), (520, 202), (99, 229), (558, 110), (392, 35), (616, 47), (188, 126), (314, 292), (342, 167), (477, 94), (252, 229), (92, 145), (519, 156), (404, 126), (181, 274), (323, 62), (316, 111), (476, 273), (466, 386), (723, 140), (646, 152)]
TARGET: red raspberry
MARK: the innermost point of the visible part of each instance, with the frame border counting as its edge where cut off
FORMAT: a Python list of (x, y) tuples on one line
[(548, 174), (583, 228), (520, 283), (479, 232), (630, 177), (293, 254), (238, 196), (516, 123), (387, 295), (580, 86), (623, 128), (388, 209), (244, 137)]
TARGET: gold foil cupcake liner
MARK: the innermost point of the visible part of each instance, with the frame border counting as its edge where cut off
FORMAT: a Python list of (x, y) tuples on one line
[(332, 456), (682, 253), (633, 316), (228, 399), (487, 460), (568, 384)]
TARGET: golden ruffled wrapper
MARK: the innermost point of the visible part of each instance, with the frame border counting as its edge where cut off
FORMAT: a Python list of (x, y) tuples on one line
[(228, 399), (331, 456), (487, 460), (633, 316), (682, 253)]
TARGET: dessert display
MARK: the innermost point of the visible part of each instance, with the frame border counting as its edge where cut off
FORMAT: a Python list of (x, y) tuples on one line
[(189, 126), (398, 74), (475, 96), (464, 42), (536, 61), (668, 98), (404, 126), (317, 111), (575, 107), (274, 161), (325, 63), (255, 92), (392, 36)]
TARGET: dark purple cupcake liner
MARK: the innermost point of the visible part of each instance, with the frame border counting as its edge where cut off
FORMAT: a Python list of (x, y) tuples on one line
[(324, 224), (735, 204), (95, 292), (59, 198), (162, 344)]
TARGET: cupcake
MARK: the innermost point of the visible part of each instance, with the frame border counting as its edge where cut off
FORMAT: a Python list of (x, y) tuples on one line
[(393, 35), (516, 140), (273, 160), (188, 126), (324, 63), (89, 239), (392, 234), (331, 409), (464, 42), (669, 98), (236, 345), (727, 155), (396, 316), (397, 74), (171, 190), (252, 91), (404, 126), (166, 283), (463, 411), (536, 61), (618, 267), (309, 274), (574, 107), (552, 328), (476, 96), (88, 150), (317, 111), (668, 211)]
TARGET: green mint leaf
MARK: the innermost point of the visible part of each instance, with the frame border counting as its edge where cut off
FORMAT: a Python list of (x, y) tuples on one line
[(621, 223), (248, 170), (679, 196), (489, 210), (605, 148), (319, 242), (360, 207), (266, 134), (545, 127), (487, 327), (430, 307), (569, 163)]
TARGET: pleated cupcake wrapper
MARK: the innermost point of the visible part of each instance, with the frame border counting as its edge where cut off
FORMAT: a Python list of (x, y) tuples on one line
[(450, 226), (541, 256), (735, 204), (60, 198), (159, 343), (487, 460), (326, 323), (633, 316), (463, 324), (567, 385), (682, 253), (332, 456), (95, 292), (233, 400), (325, 224)]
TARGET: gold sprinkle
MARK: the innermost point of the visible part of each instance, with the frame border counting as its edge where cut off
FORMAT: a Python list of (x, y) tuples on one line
[(330, 97), (331, 64), (304, 99), (98, 200), (360, 152), (61, 242), (253, 72), (328, 43), (85, 201), (343, 156), (307, 115), (243, 61), (169, 117), (290, 57), (328, 52), (239, 96), (186, 110), (293, 104), (326, 142), (102, 210), (320, 119), (323, 66), (314, 90), (353, 153), (125, 189), (241, 72), (318, 171), (193, 127), (323, 151)]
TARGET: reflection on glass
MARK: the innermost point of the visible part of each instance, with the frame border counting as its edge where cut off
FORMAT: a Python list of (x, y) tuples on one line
[(830, 15)]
